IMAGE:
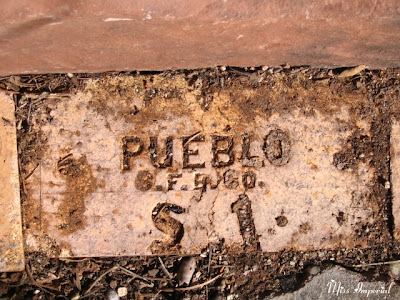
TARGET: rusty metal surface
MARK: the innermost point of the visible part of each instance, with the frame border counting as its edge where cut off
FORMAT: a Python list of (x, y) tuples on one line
[(96, 36), (125, 174), (11, 242)]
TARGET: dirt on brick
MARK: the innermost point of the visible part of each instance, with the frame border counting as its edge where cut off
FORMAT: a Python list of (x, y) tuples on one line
[(371, 94), (80, 183)]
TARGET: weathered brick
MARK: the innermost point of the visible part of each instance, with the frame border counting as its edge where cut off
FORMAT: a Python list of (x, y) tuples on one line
[(96, 36), (11, 242), (282, 175), (395, 176)]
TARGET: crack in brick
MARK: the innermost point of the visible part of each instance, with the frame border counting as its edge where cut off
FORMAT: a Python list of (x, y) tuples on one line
[(211, 231)]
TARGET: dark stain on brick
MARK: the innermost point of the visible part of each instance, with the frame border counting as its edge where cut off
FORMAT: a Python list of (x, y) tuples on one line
[(80, 183)]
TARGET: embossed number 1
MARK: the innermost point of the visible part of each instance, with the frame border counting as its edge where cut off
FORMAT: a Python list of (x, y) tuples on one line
[(242, 208)]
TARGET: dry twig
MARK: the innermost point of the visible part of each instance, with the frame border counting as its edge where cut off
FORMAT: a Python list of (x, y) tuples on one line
[(194, 287), (100, 277), (377, 264), (165, 269), (31, 172), (34, 282), (122, 269), (134, 275)]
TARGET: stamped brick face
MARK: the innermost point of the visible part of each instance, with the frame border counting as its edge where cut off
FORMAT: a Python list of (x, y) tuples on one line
[(11, 242), (125, 174)]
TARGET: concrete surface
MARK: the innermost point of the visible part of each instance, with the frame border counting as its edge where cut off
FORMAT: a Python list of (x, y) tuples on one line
[(339, 283), (11, 242), (98, 35)]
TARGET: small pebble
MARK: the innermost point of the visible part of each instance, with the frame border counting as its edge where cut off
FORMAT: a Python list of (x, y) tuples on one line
[(387, 185), (122, 291), (264, 68), (223, 68), (113, 284), (112, 295), (395, 270), (314, 270), (340, 166)]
